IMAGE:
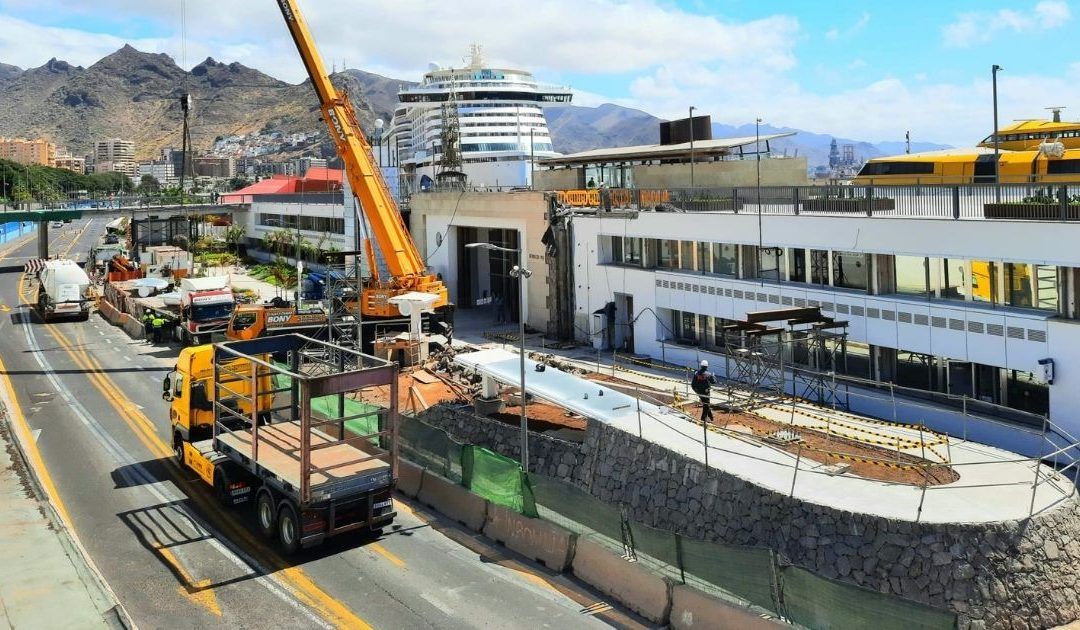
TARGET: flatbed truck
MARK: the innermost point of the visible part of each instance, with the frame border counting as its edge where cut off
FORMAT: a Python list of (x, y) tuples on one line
[(278, 433)]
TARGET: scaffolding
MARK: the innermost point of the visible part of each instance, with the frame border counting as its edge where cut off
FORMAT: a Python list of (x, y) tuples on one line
[(758, 351)]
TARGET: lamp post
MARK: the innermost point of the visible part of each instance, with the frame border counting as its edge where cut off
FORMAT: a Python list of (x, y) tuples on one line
[(521, 273), (757, 154), (994, 69), (379, 137), (692, 108)]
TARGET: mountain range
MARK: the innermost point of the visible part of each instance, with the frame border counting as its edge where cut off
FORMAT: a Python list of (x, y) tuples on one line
[(136, 95)]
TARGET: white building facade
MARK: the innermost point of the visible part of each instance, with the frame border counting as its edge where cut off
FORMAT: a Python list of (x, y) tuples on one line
[(983, 309)]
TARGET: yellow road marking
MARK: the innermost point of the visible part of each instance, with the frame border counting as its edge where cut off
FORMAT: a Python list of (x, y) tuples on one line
[(296, 580), (198, 591), (384, 552)]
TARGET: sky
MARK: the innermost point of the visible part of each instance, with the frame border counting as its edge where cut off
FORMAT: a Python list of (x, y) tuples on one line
[(861, 70)]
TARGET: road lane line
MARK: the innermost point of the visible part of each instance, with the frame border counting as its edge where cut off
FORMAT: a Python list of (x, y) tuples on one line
[(195, 590), (295, 580), (386, 553), (135, 474)]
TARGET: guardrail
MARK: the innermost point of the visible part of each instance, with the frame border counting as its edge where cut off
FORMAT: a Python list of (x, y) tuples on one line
[(1047, 202)]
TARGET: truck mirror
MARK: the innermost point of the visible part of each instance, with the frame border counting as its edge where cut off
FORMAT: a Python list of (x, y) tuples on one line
[(166, 387)]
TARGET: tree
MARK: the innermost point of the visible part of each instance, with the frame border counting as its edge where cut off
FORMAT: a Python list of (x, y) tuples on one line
[(233, 235), (149, 185), (236, 183)]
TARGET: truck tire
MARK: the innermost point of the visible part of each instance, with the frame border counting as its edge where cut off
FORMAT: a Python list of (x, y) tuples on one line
[(265, 516), (288, 529), (178, 450)]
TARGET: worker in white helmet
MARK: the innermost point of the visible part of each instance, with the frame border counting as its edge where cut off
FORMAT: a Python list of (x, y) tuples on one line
[(701, 383)]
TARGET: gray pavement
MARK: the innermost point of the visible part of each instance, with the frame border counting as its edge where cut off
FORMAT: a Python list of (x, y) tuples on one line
[(43, 571), (174, 558)]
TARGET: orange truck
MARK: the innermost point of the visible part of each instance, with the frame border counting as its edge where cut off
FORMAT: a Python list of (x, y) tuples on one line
[(250, 321)]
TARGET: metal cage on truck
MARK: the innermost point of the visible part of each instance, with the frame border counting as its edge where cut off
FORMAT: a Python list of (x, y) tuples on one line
[(291, 411)]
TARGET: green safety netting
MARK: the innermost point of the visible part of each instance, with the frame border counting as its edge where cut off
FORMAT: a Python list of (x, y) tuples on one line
[(579, 510), (821, 603), (498, 479), (336, 406), (747, 572)]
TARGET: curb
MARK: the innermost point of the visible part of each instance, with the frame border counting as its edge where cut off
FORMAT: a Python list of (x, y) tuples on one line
[(115, 616)]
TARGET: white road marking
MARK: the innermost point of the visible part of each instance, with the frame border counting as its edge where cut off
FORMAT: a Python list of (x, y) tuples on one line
[(36, 433), (438, 604)]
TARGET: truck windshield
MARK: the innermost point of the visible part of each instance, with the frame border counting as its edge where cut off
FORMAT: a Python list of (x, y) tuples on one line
[(206, 312), (243, 320)]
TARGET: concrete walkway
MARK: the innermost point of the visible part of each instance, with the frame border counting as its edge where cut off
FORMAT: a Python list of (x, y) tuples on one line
[(993, 484), (45, 582)]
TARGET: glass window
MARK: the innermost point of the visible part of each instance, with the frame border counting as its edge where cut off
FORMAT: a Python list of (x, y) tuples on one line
[(686, 255), (685, 326), (911, 275), (948, 278), (769, 261), (725, 258), (668, 255), (704, 259), (819, 266), (1018, 286), (984, 278), (632, 251), (851, 270), (797, 265), (916, 370), (616, 248), (1026, 393), (1046, 287)]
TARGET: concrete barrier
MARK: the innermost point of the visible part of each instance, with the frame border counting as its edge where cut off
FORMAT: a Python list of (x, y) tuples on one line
[(693, 610), (630, 584), (410, 476), (132, 326), (453, 501), (531, 537), (109, 312)]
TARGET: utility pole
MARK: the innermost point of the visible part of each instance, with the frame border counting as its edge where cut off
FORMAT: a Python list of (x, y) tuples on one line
[(907, 142), (532, 161)]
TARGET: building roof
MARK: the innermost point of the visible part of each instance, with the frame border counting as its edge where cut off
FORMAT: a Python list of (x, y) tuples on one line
[(322, 173), (702, 148)]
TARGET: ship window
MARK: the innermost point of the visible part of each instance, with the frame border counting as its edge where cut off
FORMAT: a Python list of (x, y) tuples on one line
[(1062, 167), (897, 168)]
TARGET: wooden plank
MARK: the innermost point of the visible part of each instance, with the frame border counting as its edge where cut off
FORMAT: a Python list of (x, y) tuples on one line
[(425, 377)]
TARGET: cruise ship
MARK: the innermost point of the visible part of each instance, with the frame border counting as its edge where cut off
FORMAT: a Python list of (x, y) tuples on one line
[(500, 124)]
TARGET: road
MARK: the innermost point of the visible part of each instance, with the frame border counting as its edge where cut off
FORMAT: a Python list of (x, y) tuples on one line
[(91, 397)]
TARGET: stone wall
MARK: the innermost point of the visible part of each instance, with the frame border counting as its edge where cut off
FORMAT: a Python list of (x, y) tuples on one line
[(994, 575)]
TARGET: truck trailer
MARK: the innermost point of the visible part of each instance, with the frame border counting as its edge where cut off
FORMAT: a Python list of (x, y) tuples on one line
[(63, 289), (294, 436)]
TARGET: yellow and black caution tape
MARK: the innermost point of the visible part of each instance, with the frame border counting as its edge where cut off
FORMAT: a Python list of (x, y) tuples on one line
[(892, 441)]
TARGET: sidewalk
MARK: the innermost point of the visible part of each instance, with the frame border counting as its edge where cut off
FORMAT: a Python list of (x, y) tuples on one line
[(45, 580)]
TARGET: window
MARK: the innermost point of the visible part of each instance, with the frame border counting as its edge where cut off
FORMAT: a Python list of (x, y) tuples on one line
[(912, 276), (948, 278), (916, 370), (797, 265), (725, 258), (704, 259), (897, 168), (686, 255), (851, 270), (632, 251), (685, 326), (1025, 392), (984, 281), (1031, 286), (819, 266), (667, 254), (769, 261), (857, 361), (1062, 167), (615, 244)]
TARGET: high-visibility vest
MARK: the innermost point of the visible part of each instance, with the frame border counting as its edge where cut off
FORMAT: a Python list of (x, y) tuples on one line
[(158, 322)]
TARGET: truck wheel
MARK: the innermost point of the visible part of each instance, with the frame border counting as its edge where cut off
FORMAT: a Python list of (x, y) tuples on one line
[(178, 450), (288, 530), (264, 515)]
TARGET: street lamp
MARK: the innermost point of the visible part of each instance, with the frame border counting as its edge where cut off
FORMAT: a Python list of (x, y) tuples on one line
[(994, 69), (379, 137), (692, 108), (521, 273), (761, 244)]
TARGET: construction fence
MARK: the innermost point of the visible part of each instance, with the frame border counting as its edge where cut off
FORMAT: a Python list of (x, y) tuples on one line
[(753, 575)]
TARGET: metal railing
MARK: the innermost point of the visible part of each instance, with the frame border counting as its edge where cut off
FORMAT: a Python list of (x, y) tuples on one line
[(1053, 202)]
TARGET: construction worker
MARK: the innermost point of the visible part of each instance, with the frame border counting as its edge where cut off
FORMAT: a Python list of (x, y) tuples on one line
[(159, 324), (148, 324), (701, 383)]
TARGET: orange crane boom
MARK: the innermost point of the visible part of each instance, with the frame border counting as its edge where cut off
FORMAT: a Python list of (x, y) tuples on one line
[(407, 269)]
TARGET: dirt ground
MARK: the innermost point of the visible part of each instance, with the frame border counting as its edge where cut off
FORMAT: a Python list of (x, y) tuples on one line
[(821, 447)]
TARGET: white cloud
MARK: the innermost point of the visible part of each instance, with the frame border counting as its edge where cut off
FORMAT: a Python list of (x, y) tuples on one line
[(856, 64), (556, 36), (836, 33), (979, 27)]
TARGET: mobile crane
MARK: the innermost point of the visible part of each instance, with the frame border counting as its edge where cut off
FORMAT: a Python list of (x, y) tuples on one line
[(407, 270)]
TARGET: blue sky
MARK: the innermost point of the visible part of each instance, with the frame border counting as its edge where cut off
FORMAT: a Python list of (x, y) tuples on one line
[(864, 70)]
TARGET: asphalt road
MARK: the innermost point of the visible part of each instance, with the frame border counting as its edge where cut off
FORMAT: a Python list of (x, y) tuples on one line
[(91, 397)]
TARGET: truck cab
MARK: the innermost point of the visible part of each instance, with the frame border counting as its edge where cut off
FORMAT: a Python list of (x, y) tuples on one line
[(250, 321)]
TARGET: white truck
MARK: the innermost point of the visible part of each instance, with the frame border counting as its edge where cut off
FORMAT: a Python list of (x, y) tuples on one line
[(206, 305), (63, 288)]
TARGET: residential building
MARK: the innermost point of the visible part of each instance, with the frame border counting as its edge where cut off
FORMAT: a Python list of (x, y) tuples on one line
[(215, 166), (23, 151), (115, 155), (71, 163)]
